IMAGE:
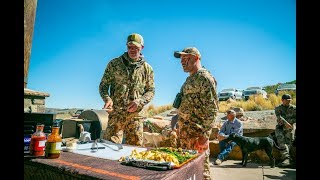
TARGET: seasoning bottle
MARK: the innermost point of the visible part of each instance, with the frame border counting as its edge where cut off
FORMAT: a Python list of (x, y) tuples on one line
[(38, 141), (53, 144)]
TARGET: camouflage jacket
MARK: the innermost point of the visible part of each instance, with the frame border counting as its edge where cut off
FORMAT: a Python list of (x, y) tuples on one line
[(124, 81), (286, 112), (199, 102)]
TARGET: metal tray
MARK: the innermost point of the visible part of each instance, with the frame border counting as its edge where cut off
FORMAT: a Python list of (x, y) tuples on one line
[(157, 165)]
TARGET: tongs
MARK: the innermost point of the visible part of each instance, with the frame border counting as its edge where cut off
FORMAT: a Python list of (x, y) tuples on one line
[(148, 164), (94, 147), (106, 142)]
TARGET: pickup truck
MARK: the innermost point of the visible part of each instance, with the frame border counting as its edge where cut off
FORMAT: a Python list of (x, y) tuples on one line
[(232, 93), (285, 87), (251, 91)]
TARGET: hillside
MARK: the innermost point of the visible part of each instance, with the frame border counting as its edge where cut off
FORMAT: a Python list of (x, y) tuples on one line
[(271, 88)]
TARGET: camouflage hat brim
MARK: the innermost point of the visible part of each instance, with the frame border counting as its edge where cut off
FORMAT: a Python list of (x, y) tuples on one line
[(189, 50), (135, 43), (177, 54)]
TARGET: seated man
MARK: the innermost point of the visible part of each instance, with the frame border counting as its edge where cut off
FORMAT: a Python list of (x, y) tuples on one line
[(231, 125)]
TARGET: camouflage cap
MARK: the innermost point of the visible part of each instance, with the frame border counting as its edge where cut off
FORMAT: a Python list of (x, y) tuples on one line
[(286, 97), (188, 50), (135, 39)]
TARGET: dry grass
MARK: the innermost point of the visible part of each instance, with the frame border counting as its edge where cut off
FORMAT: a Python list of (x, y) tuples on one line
[(65, 114), (148, 111), (152, 110), (256, 103)]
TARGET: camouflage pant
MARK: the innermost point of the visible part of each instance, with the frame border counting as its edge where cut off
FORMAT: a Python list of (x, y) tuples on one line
[(170, 141), (284, 138), (187, 140), (130, 125)]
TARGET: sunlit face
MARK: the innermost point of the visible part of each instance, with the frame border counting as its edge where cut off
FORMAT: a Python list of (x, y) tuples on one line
[(134, 51), (231, 115), (188, 62), (286, 102)]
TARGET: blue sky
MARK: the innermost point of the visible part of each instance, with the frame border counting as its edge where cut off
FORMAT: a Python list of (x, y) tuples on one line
[(242, 42)]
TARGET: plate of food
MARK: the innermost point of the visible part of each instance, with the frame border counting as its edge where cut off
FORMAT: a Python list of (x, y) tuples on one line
[(163, 158)]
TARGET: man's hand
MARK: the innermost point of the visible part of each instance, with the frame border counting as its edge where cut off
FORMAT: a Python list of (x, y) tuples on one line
[(288, 125), (202, 144), (282, 121), (132, 107), (108, 105), (220, 137)]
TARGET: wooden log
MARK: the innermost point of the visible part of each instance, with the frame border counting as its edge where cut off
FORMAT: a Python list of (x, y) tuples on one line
[(29, 18)]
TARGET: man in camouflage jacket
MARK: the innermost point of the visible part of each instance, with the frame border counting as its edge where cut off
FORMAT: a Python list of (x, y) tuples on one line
[(285, 128), (199, 105), (126, 87)]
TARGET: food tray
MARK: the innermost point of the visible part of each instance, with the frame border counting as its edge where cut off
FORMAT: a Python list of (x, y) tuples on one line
[(159, 165)]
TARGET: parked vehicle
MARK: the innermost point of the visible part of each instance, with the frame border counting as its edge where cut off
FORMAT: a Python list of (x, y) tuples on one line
[(285, 87), (232, 93), (250, 91)]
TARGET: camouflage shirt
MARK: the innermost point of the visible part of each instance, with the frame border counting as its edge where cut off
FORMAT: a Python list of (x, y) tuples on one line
[(125, 80), (199, 102), (286, 112)]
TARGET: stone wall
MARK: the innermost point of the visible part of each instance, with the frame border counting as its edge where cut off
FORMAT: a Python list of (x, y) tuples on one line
[(258, 155), (34, 101)]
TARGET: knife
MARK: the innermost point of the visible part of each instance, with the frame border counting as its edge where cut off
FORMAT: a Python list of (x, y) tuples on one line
[(105, 142), (93, 148)]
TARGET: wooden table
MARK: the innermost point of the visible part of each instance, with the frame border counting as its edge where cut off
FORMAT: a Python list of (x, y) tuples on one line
[(76, 166)]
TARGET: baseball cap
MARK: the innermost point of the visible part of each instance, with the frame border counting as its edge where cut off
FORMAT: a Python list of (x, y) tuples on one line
[(286, 97), (135, 39), (239, 111), (231, 111), (188, 50)]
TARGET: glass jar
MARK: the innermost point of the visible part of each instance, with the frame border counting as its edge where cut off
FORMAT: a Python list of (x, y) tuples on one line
[(38, 141), (53, 144)]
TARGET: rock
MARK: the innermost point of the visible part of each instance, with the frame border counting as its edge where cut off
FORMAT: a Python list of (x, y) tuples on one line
[(255, 124), (157, 123), (236, 154), (260, 125)]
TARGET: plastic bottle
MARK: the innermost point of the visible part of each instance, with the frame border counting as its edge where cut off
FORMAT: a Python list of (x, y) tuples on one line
[(38, 141), (54, 142)]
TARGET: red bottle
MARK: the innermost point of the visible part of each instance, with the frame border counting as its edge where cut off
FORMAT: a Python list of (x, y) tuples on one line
[(38, 141)]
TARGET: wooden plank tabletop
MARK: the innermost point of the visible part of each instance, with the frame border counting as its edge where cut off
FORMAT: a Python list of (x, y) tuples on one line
[(76, 166)]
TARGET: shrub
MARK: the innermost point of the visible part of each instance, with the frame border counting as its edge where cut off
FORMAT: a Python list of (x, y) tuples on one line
[(152, 110), (256, 103)]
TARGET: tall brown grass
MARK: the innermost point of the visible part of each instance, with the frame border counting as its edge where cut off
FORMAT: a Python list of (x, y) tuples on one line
[(256, 103), (152, 110)]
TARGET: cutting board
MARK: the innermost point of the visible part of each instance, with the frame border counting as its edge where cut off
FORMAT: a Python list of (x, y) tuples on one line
[(110, 152)]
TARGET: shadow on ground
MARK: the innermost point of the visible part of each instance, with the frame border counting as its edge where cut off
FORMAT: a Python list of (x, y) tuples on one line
[(233, 170), (285, 174)]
